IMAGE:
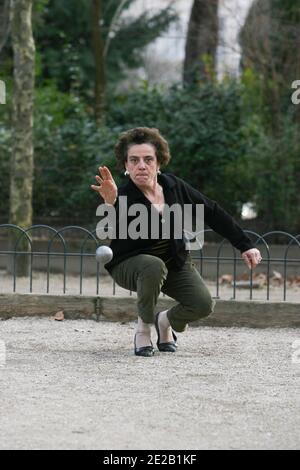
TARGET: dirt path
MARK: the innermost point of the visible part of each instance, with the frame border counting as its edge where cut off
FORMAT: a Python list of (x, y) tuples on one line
[(77, 385)]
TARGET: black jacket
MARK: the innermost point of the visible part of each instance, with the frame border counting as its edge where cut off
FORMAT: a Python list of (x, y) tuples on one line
[(176, 191)]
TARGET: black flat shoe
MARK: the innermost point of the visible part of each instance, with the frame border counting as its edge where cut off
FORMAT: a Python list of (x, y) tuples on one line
[(146, 351), (170, 346)]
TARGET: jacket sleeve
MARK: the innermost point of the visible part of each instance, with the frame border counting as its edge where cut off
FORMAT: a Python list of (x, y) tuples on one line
[(220, 221)]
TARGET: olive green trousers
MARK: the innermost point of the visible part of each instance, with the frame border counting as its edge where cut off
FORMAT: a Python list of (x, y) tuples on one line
[(148, 275)]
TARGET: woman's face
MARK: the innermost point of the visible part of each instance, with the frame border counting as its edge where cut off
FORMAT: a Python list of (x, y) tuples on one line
[(142, 165)]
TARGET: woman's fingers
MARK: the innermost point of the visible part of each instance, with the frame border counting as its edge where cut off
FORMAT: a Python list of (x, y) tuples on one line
[(247, 261), (105, 173), (108, 173), (107, 187), (252, 257), (95, 188)]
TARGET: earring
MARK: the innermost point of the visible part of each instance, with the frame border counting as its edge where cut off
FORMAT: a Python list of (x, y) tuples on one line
[(126, 173), (158, 172)]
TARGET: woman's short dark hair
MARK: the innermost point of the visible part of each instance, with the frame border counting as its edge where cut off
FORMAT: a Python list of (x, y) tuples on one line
[(142, 135)]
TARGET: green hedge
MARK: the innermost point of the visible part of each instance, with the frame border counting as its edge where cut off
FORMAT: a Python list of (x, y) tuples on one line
[(217, 145)]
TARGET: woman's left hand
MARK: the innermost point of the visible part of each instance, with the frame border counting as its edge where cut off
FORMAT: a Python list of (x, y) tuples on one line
[(252, 257)]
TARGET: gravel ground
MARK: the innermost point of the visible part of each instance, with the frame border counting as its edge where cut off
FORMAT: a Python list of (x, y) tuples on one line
[(77, 385)]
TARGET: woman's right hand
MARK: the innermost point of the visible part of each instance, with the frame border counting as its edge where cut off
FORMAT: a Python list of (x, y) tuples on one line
[(108, 188)]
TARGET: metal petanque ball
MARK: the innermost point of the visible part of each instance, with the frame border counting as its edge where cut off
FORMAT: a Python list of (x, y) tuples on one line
[(103, 254)]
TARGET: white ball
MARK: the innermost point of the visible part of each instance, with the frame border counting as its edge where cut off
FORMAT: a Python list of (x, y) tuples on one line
[(103, 254)]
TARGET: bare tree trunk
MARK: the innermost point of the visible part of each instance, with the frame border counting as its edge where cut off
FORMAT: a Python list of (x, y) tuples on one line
[(22, 120), (4, 22), (297, 74), (271, 47), (202, 41), (98, 50)]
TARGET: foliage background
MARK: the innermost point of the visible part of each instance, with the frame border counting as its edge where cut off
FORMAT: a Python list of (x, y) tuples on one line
[(225, 137)]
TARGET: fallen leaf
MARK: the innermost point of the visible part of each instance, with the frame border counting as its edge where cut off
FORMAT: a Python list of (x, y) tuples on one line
[(261, 278), (59, 316), (277, 275), (226, 279)]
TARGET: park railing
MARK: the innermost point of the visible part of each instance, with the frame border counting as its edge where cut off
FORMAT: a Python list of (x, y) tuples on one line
[(44, 259)]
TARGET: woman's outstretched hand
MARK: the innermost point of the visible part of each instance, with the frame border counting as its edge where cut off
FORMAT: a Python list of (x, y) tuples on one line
[(252, 257), (107, 187)]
